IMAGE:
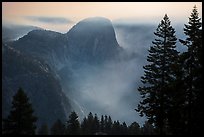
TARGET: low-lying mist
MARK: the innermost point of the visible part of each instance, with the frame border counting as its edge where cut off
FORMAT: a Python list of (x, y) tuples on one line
[(109, 89)]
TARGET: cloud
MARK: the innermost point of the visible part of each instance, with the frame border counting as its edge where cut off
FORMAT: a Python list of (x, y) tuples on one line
[(49, 20), (15, 31), (137, 21)]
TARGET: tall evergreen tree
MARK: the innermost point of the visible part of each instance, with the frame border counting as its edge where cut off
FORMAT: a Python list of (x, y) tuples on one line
[(176, 111), (192, 67), (73, 125), (109, 125), (148, 129), (124, 129), (116, 129), (84, 127), (58, 128), (106, 123), (88, 127), (102, 124), (96, 124), (158, 74), (134, 129), (21, 120)]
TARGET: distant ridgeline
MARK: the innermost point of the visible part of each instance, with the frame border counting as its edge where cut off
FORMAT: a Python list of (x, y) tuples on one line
[(37, 61)]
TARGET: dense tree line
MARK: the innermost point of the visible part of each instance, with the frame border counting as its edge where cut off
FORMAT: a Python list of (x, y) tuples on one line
[(22, 121), (172, 82), (93, 125)]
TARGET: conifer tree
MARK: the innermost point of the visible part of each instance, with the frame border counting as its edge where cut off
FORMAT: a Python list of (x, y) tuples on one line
[(105, 123), (84, 127), (109, 125), (90, 126), (21, 120), (58, 128), (148, 129), (134, 129), (102, 124), (116, 128), (124, 129), (192, 67), (96, 124), (158, 74), (73, 125)]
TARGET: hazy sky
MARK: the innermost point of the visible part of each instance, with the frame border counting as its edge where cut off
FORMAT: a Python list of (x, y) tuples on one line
[(62, 15)]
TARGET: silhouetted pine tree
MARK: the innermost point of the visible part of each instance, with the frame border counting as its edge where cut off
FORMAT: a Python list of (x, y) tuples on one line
[(73, 125), (84, 127), (134, 129), (192, 67), (96, 124), (108, 125), (21, 120), (158, 74), (176, 111), (58, 128), (90, 126), (124, 129), (116, 128), (148, 129), (102, 124)]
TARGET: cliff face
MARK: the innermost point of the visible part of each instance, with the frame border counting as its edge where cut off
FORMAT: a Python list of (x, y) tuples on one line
[(46, 64), (38, 81), (93, 40)]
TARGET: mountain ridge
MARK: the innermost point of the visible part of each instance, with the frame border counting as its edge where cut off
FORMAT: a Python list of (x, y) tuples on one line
[(59, 51)]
